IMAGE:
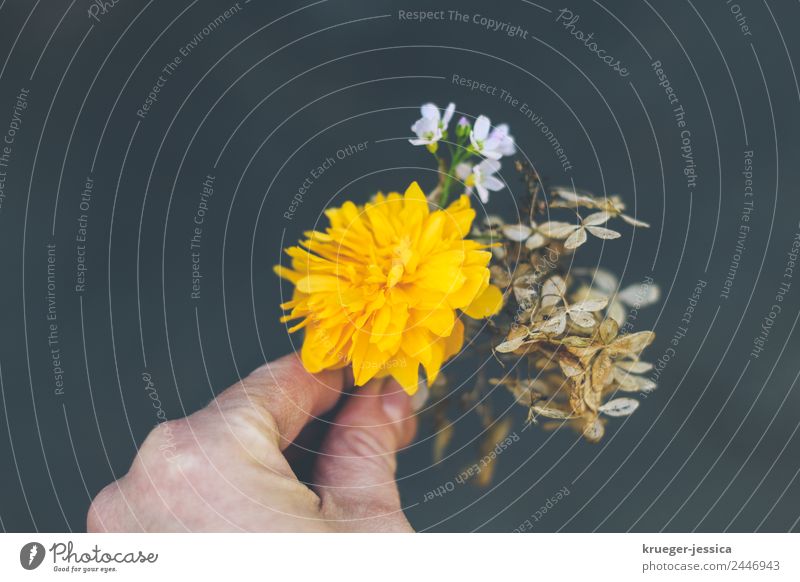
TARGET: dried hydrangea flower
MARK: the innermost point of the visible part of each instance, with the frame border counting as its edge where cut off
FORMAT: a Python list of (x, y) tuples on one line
[(573, 198), (575, 234)]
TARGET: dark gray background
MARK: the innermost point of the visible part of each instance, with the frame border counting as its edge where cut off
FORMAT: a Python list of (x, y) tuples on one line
[(714, 448)]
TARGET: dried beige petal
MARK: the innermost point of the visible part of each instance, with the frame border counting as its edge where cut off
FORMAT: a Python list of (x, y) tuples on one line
[(535, 241), (525, 289), (582, 293), (640, 295), (576, 400), (550, 412), (581, 351), (609, 329), (604, 233), (555, 325), (617, 312), (592, 398), (573, 195), (557, 229), (602, 370), (526, 392), (616, 203), (634, 222), (596, 218), (553, 291), (555, 285), (570, 366), (590, 304), (517, 232), (631, 344), (635, 366), (605, 281), (582, 318), (593, 430), (510, 345), (575, 341), (632, 383), (576, 239), (619, 407)]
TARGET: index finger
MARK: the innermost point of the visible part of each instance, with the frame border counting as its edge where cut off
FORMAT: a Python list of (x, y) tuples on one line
[(287, 393)]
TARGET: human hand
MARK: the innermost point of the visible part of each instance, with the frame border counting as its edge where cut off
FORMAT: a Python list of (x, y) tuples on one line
[(223, 468)]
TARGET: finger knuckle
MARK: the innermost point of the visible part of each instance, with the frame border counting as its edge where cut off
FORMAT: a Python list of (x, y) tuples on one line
[(255, 423), (368, 445), (99, 517), (171, 448)]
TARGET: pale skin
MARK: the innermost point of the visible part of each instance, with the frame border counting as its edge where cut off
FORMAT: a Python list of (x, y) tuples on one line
[(223, 468)]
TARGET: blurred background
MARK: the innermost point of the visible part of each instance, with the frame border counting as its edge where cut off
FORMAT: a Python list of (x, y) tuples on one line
[(118, 114)]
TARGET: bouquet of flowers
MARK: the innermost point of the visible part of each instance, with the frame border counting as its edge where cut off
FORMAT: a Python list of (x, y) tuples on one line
[(401, 284)]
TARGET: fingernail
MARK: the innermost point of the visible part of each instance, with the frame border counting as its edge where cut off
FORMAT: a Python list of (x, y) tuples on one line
[(420, 397), (396, 403)]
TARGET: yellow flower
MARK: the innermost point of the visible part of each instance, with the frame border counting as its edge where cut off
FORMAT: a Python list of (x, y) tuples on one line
[(379, 289)]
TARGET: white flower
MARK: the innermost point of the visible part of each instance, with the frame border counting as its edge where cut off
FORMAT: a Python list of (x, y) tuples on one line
[(506, 140), (493, 145), (481, 177), (432, 125)]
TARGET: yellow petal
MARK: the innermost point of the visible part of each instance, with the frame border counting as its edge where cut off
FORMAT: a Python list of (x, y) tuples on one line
[(459, 217), (439, 321), (317, 283), (433, 366), (415, 204), (476, 279), (287, 274), (431, 236), (367, 358), (381, 226), (486, 304), (406, 372), (455, 341)]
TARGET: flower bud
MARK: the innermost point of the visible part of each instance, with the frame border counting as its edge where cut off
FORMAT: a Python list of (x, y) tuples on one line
[(463, 128)]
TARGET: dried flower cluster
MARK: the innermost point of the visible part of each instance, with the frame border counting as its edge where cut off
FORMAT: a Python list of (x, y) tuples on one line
[(558, 335)]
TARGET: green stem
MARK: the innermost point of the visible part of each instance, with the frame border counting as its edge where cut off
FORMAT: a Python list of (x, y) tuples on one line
[(459, 156)]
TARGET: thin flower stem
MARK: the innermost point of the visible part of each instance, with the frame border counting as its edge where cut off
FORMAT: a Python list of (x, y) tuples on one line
[(459, 156)]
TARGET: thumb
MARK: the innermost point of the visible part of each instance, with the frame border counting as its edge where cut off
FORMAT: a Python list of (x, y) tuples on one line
[(355, 476)]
